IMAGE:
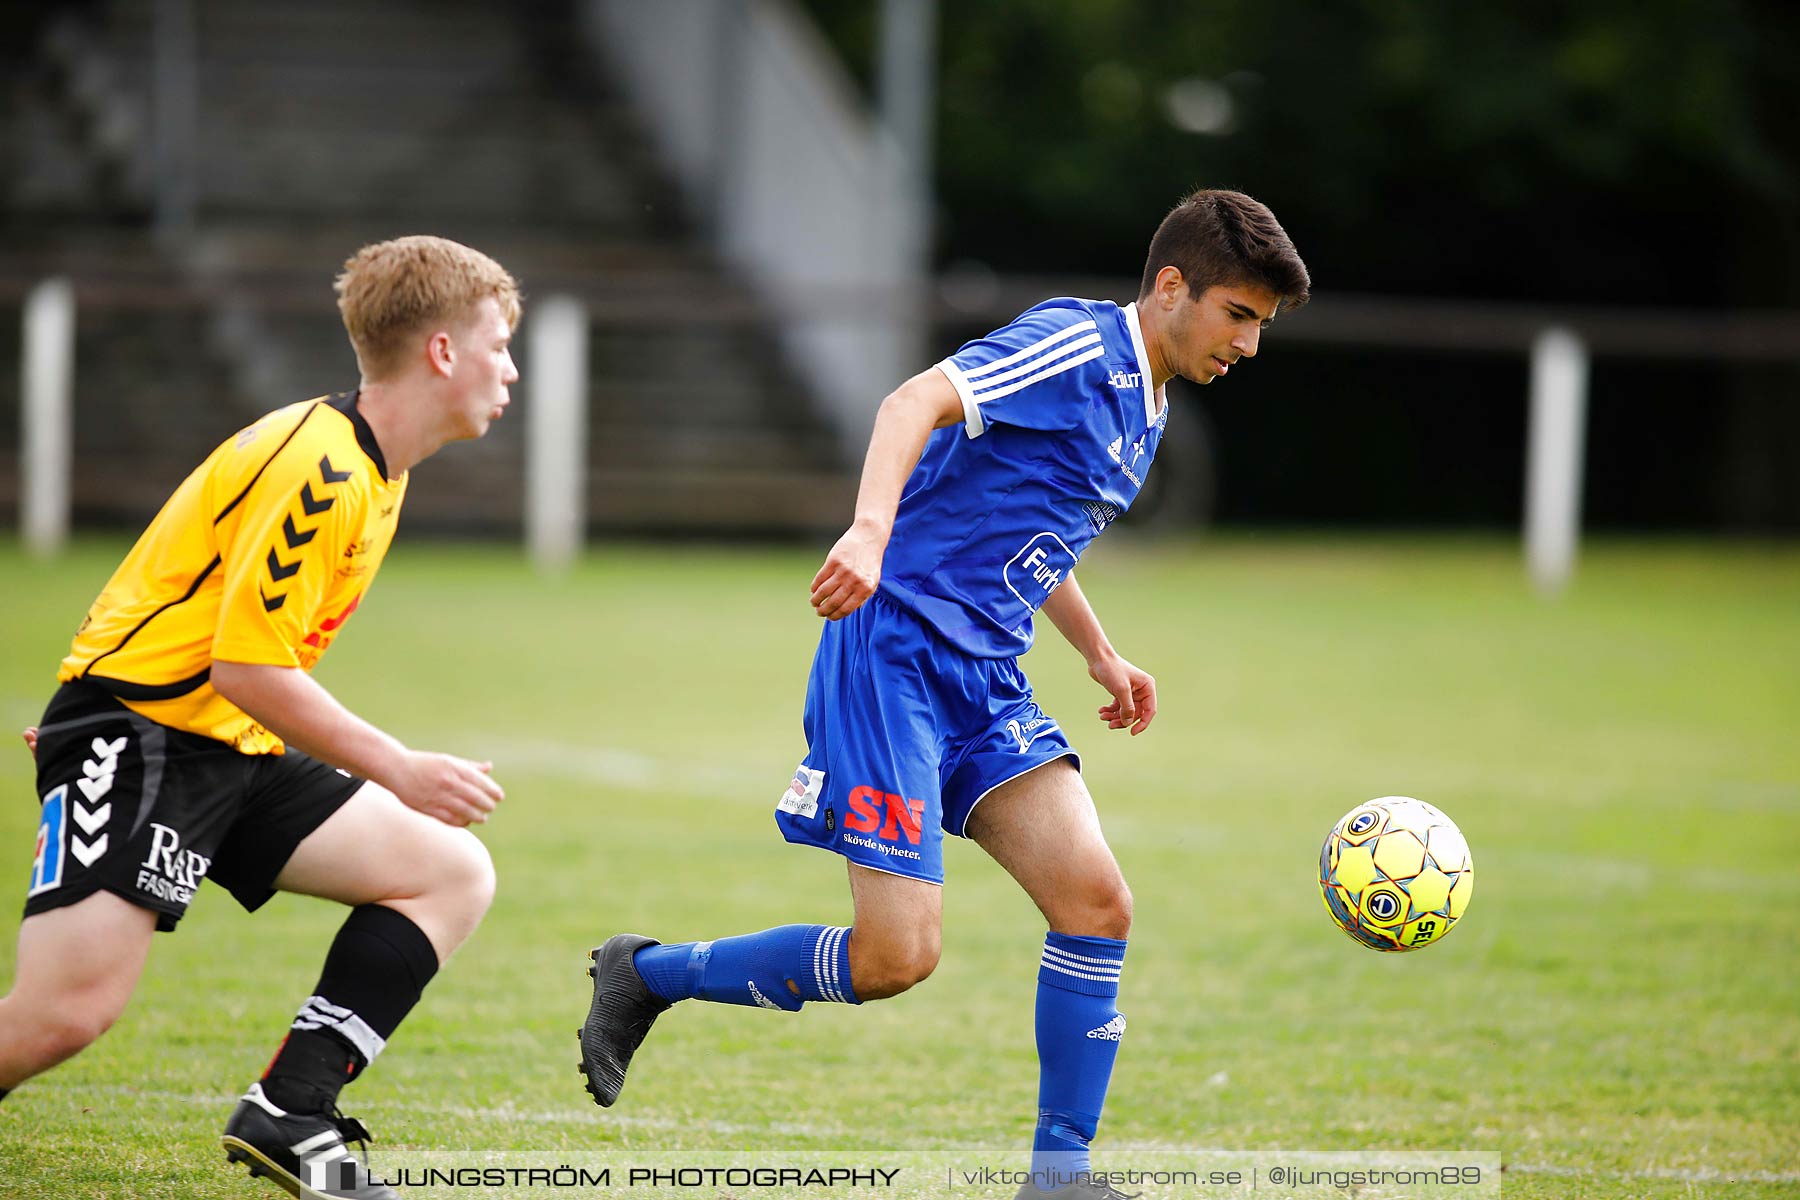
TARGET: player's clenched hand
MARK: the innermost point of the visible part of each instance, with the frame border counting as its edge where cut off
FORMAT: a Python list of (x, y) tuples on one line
[(30, 736), (1133, 691), (849, 575), (454, 790)]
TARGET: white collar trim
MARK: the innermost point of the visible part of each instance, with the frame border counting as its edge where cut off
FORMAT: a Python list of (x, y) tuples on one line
[(1154, 397)]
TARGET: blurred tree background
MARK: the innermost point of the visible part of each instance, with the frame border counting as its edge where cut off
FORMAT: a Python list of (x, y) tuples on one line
[(1618, 152)]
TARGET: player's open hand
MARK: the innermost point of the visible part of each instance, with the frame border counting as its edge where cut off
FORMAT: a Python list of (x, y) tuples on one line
[(850, 574), (455, 790), (1133, 690), (30, 736)]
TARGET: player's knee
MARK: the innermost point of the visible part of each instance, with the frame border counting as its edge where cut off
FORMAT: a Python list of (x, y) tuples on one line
[(459, 883), (1101, 909), (467, 875), (887, 968), (71, 1026), (1118, 910)]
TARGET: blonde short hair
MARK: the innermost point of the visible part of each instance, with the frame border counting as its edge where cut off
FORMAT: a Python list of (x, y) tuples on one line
[(391, 291)]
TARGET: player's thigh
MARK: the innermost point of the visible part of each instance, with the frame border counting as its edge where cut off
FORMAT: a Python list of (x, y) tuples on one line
[(376, 850), (81, 962), (1042, 828)]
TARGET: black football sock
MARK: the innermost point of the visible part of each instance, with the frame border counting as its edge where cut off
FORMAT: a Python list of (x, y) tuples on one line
[(378, 965)]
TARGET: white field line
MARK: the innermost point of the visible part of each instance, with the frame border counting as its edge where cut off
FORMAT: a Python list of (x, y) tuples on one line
[(613, 767), (578, 1116), (224, 1101), (1674, 1174)]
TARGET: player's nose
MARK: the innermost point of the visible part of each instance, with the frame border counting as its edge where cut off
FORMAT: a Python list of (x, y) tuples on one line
[(1246, 343)]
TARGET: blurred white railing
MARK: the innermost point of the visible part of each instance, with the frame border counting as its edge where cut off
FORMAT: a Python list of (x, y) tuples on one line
[(806, 194)]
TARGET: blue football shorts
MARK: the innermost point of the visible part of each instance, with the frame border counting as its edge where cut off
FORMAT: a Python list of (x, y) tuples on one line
[(905, 735)]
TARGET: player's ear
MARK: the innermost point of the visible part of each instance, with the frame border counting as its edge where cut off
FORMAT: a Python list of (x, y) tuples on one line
[(440, 351), (1170, 284)]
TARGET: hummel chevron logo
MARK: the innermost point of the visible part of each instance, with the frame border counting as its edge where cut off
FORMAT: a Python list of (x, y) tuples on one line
[(85, 853), (295, 538), (313, 506), (271, 603), (1112, 1031), (97, 780), (330, 475), (91, 820), (98, 771), (279, 570)]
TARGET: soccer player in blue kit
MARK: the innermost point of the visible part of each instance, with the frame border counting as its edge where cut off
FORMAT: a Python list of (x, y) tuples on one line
[(987, 475)]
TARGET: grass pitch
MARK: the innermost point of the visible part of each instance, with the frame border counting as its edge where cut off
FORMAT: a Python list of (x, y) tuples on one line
[(1618, 1014)]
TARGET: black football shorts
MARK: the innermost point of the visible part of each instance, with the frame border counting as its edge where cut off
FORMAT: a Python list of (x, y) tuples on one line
[(148, 812)]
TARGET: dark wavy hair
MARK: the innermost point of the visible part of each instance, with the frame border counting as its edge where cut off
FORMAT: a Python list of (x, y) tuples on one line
[(1216, 237)]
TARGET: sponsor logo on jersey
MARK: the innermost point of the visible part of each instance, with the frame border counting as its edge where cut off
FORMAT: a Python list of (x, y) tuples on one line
[(1099, 514), (1128, 462), (1126, 379), (351, 562), (1041, 564), (168, 872), (319, 640)]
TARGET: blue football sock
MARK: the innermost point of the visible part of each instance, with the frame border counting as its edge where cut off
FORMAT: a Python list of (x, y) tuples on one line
[(755, 969), (1078, 1032)]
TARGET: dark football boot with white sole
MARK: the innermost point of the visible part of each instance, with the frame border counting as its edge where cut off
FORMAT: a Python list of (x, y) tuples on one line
[(302, 1153)]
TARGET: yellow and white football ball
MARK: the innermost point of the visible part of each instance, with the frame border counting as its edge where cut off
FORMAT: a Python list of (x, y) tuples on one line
[(1396, 873)]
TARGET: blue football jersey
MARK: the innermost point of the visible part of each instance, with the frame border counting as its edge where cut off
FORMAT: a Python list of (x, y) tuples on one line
[(1060, 425)]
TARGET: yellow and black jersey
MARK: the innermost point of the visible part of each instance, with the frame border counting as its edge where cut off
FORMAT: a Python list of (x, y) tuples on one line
[(260, 556)]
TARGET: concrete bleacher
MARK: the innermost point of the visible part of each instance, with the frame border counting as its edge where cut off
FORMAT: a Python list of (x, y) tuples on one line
[(326, 125)]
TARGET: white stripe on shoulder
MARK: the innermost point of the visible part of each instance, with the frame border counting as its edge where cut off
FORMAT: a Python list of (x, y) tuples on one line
[(1034, 348), (1073, 346), (1046, 373), (973, 425)]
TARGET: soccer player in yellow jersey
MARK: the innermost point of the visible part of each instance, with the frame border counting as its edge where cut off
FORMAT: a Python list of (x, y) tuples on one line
[(188, 741)]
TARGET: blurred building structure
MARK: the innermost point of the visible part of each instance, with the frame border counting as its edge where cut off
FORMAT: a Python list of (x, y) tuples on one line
[(751, 245), (318, 127)]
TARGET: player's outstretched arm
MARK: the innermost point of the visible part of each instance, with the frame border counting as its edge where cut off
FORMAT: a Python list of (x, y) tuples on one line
[(297, 709), (1133, 690), (906, 419)]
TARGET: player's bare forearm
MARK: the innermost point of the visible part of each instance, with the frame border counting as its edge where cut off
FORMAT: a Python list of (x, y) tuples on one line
[(1069, 610), (297, 709), (1133, 690), (905, 421)]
